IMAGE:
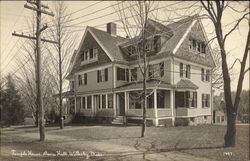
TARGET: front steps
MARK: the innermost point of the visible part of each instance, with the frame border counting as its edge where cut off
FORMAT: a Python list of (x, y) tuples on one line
[(119, 120)]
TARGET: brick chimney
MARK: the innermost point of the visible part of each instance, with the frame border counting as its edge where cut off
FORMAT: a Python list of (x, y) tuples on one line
[(111, 28)]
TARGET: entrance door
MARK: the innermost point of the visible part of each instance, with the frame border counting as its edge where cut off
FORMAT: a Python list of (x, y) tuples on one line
[(121, 104)]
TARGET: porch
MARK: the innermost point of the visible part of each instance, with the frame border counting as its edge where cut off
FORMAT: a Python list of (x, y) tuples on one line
[(160, 104)]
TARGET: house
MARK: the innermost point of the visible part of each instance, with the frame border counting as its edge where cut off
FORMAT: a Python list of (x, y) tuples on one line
[(105, 79), (219, 115)]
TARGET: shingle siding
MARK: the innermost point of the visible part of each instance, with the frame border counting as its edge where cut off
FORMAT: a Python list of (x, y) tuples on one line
[(184, 52), (89, 43)]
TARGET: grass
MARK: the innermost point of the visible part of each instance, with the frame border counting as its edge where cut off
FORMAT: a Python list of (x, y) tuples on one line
[(200, 141)]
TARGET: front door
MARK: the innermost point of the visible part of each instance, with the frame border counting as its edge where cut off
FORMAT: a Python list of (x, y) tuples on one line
[(121, 104)]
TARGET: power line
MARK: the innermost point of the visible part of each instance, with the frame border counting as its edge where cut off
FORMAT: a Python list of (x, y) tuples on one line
[(69, 14), (118, 19), (94, 12), (14, 54), (12, 29)]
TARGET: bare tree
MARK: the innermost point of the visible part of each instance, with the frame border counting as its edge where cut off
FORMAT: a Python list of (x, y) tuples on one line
[(135, 29), (60, 32), (26, 77), (215, 11)]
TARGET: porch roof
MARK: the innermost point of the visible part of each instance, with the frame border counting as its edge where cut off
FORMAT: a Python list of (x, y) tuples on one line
[(65, 94), (150, 83), (186, 84)]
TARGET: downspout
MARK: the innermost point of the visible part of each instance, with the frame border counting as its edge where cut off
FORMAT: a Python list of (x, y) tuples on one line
[(113, 87), (173, 113)]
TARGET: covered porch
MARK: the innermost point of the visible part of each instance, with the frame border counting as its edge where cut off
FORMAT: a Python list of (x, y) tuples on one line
[(160, 102)]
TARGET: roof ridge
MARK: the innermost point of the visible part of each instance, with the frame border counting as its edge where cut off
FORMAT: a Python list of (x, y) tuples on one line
[(117, 36)]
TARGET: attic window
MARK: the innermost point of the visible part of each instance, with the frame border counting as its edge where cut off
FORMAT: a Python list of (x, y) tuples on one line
[(89, 56), (197, 46)]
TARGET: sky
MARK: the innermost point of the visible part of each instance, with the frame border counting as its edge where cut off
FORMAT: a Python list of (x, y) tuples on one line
[(14, 17)]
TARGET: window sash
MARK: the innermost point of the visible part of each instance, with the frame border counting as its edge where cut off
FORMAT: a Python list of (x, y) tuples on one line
[(181, 70), (102, 75), (89, 102), (202, 74), (83, 102), (110, 100), (79, 80), (104, 101), (133, 74), (207, 75)]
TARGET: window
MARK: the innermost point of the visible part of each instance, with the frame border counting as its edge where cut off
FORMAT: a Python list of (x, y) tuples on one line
[(72, 105), (150, 101), (102, 75), (207, 75), (157, 43), (89, 55), (205, 100), (160, 99), (89, 102), (130, 50), (191, 99), (203, 48), (222, 118), (78, 103), (186, 71), (82, 79), (202, 74), (133, 74), (181, 70), (103, 101), (161, 69), (188, 68), (72, 85), (110, 100), (95, 52), (196, 45), (134, 100), (79, 80), (85, 78), (98, 102), (122, 74), (83, 102), (156, 70)]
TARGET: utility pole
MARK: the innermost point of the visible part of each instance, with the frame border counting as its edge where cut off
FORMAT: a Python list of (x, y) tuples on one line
[(39, 100)]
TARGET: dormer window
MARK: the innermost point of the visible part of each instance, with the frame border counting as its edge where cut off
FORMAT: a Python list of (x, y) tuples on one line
[(152, 44), (197, 46), (89, 56)]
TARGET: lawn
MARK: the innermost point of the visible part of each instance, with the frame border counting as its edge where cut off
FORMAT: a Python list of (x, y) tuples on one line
[(204, 141)]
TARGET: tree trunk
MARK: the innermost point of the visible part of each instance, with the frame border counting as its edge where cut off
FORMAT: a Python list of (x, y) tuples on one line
[(230, 136), (60, 86), (144, 108), (36, 121)]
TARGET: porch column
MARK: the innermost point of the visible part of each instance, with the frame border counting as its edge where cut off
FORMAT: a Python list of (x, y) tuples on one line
[(114, 103), (81, 103), (75, 105), (66, 108), (126, 103), (92, 105), (155, 107), (172, 106)]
